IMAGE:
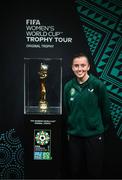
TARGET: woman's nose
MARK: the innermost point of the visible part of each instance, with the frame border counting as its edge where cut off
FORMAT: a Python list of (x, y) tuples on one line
[(79, 67)]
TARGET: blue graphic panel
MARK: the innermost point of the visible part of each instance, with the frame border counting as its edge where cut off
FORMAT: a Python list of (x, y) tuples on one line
[(11, 156)]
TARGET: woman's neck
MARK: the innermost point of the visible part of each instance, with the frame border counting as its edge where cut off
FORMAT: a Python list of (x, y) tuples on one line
[(82, 80)]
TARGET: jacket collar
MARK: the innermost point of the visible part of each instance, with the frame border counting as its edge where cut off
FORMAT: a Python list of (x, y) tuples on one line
[(78, 86)]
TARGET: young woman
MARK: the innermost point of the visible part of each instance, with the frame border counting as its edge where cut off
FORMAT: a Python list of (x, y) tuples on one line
[(87, 106)]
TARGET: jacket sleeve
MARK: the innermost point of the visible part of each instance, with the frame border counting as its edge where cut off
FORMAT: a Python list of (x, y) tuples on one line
[(104, 103)]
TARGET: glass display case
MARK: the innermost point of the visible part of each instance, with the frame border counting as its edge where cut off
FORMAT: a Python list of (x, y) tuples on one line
[(43, 86)]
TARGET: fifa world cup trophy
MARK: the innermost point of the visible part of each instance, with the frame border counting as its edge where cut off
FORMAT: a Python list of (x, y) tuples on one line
[(43, 104)]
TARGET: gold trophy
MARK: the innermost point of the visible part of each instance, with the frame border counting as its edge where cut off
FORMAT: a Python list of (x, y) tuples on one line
[(43, 74)]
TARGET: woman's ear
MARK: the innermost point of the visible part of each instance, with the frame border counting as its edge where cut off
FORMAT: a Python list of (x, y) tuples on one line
[(89, 67)]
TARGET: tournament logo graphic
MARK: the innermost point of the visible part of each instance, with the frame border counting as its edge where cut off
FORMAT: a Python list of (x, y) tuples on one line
[(42, 144), (42, 137)]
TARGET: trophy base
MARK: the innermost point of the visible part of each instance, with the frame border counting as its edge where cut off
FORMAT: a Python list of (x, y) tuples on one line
[(43, 106)]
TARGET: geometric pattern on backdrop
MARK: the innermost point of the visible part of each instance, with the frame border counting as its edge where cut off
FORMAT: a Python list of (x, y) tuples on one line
[(102, 24), (11, 156)]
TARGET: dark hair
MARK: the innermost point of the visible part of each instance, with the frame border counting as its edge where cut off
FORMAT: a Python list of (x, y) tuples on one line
[(80, 55)]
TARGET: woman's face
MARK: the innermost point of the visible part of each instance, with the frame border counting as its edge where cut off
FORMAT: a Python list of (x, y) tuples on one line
[(80, 67)]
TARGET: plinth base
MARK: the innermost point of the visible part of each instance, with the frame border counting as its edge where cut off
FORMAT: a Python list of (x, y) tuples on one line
[(51, 110), (43, 105)]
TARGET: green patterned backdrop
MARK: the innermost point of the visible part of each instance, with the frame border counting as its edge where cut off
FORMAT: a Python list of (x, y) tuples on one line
[(102, 24)]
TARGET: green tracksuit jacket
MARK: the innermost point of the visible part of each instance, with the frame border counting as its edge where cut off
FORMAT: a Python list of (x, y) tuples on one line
[(87, 106)]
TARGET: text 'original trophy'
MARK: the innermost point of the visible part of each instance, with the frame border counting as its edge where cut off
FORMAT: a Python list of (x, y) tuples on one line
[(43, 74)]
